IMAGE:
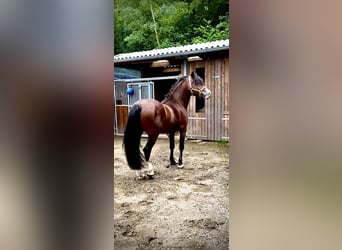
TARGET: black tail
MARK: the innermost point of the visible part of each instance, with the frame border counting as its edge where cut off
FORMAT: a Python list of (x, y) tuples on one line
[(132, 137)]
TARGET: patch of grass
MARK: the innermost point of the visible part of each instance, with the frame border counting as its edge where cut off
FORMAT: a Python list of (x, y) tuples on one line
[(224, 158), (223, 143)]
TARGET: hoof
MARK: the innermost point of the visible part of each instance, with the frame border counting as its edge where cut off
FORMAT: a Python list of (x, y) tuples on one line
[(150, 173), (140, 175), (148, 170), (180, 166), (150, 176)]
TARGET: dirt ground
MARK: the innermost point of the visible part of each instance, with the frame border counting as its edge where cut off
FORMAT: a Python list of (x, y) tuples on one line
[(179, 208)]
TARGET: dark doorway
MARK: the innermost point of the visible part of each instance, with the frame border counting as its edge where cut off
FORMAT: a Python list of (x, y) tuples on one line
[(161, 88), (200, 102)]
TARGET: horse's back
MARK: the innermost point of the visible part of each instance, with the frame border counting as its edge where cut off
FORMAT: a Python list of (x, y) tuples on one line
[(157, 117), (149, 108), (152, 114)]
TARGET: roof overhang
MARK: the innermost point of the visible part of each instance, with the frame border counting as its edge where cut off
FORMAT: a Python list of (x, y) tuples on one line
[(173, 52)]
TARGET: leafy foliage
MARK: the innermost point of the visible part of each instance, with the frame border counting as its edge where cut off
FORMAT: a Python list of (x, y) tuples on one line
[(151, 24)]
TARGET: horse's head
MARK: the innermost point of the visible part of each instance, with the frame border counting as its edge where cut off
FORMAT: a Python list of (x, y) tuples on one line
[(198, 87)]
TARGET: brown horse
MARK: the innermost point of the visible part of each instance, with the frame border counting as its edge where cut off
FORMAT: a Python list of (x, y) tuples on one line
[(154, 118)]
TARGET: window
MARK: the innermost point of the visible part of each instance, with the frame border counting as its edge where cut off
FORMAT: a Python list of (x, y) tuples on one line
[(200, 102)]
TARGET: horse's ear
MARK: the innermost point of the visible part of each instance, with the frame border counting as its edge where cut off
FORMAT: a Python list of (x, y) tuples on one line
[(192, 75)]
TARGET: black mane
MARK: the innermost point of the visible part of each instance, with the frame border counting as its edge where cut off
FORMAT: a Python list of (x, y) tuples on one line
[(196, 78), (168, 95)]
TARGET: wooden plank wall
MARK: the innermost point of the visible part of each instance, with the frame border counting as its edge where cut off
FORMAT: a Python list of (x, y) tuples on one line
[(225, 117), (210, 103), (213, 124), (197, 125)]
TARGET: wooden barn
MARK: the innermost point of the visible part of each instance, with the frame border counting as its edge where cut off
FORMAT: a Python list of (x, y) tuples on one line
[(150, 74)]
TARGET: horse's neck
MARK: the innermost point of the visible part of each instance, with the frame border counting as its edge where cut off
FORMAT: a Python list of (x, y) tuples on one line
[(181, 101), (181, 98)]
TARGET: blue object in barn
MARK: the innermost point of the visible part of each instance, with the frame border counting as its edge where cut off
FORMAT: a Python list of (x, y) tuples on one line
[(130, 91)]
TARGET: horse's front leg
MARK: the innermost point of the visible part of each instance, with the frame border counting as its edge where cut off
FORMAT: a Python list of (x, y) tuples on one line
[(181, 148), (172, 147)]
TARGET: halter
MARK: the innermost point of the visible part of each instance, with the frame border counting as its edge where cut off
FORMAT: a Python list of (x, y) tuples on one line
[(200, 90)]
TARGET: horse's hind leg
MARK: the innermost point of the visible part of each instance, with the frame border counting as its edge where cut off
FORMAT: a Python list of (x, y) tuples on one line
[(147, 152), (172, 147), (148, 147), (181, 148)]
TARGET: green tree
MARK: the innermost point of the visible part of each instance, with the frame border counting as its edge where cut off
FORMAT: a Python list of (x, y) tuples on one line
[(209, 33), (151, 24)]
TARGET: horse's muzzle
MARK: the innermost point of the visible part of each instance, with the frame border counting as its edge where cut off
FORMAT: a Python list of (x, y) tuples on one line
[(206, 93)]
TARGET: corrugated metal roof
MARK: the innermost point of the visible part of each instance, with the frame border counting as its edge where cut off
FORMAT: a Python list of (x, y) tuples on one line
[(192, 49)]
